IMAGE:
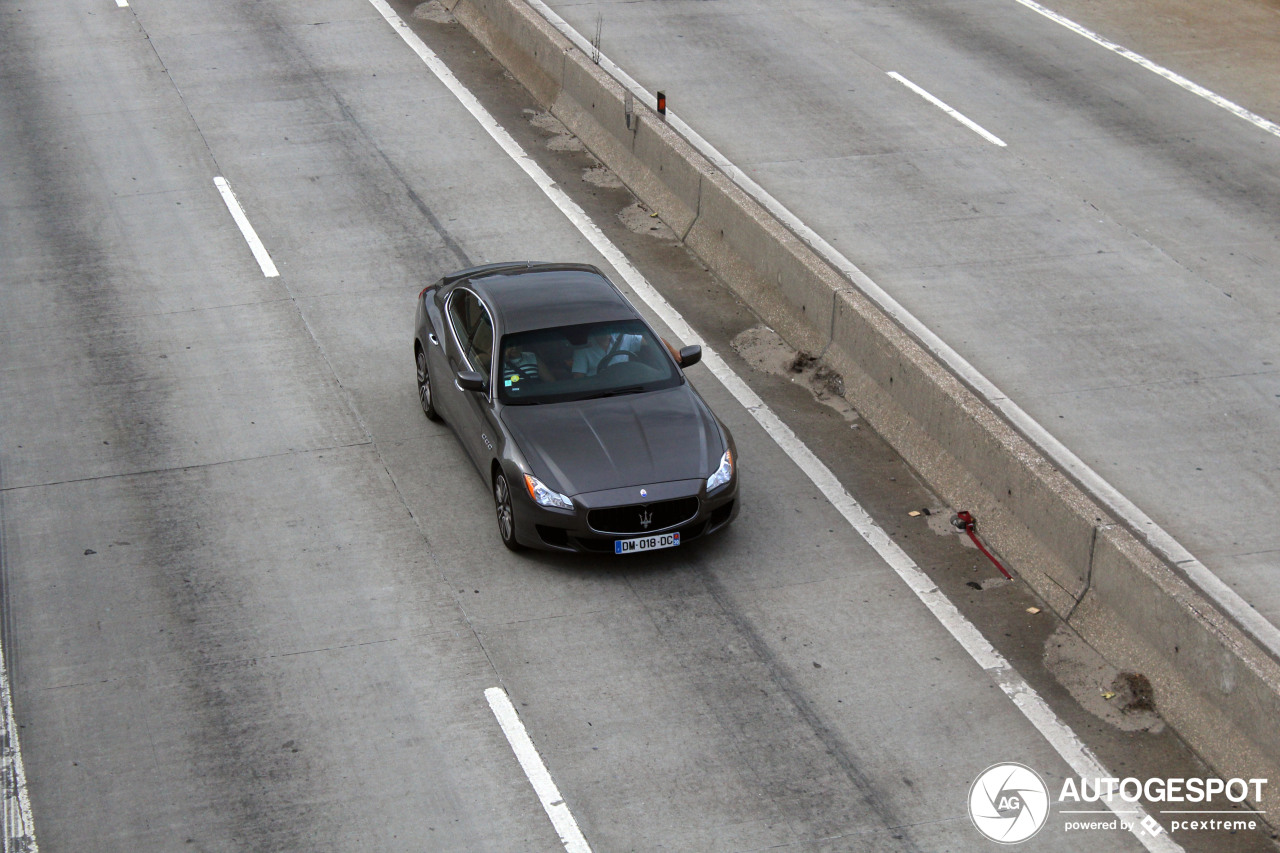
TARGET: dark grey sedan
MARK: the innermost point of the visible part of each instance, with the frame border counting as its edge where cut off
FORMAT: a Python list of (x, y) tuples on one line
[(575, 412)]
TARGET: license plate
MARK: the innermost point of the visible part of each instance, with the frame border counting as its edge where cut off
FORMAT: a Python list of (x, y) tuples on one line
[(646, 543)]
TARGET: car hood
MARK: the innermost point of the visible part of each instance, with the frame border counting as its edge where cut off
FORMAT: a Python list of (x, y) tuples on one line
[(612, 442)]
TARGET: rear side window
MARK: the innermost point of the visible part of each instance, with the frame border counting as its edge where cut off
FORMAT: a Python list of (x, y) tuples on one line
[(473, 329)]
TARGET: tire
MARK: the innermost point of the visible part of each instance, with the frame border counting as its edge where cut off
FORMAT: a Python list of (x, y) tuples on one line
[(425, 397), (505, 511)]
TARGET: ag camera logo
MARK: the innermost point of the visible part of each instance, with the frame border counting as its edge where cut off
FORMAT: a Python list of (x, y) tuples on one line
[(1009, 803)]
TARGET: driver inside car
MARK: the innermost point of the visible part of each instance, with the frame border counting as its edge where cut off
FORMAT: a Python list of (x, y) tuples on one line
[(604, 346)]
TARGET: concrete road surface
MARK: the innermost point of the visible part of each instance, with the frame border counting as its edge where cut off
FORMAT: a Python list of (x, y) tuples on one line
[(253, 600)]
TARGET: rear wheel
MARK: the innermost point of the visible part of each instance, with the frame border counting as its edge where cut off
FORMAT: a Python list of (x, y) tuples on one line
[(424, 387), (505, 511)]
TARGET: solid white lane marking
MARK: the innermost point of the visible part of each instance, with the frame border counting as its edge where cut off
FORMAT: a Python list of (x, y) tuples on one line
[(1116, 504), (1173, 77), (536, 770), (958, 116), (19, 828), (123, 4), (250, 236), (1063, 740)]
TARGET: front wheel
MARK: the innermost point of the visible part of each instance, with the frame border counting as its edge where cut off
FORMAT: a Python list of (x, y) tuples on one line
[(424, 387), (505, 511)]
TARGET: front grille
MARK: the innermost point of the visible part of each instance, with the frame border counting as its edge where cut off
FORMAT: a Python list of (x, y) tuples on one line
[(631, 519)]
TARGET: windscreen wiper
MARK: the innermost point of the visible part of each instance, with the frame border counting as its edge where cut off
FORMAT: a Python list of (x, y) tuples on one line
[(614, 392)]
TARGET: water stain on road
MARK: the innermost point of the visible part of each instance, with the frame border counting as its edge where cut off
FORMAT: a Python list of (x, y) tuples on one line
[(766, 351), (1123, 699)]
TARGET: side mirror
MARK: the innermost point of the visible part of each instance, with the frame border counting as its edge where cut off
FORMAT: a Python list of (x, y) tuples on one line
[(470, 380), (690, 355)]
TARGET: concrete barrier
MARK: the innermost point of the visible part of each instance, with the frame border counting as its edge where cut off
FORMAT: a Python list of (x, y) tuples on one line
[(520, 39), (649, 155), (1216, 687), (1213, 684)]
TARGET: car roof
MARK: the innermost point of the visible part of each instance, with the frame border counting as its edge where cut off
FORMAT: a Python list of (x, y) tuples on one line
[(540, 296)]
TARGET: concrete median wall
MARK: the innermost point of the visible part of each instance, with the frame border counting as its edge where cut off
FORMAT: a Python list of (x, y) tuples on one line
[(1212, 682)]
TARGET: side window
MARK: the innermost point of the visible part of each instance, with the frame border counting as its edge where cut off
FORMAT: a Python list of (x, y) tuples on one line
[(473, 328), (481, 352)]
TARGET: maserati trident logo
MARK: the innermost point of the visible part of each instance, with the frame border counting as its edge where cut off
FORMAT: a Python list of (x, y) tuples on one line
[(1009, 803), (646, 518)]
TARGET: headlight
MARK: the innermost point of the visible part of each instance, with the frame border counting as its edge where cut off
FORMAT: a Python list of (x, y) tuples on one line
[(544, 496), (723, 474)]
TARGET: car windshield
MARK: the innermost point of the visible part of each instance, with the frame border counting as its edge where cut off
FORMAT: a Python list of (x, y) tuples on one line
[(582, 362)]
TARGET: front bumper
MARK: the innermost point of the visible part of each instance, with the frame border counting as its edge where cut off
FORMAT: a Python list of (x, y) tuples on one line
[(598, 519)]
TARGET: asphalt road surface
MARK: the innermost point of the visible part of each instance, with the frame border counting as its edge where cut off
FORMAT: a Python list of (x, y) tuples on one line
[(253, 599)]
